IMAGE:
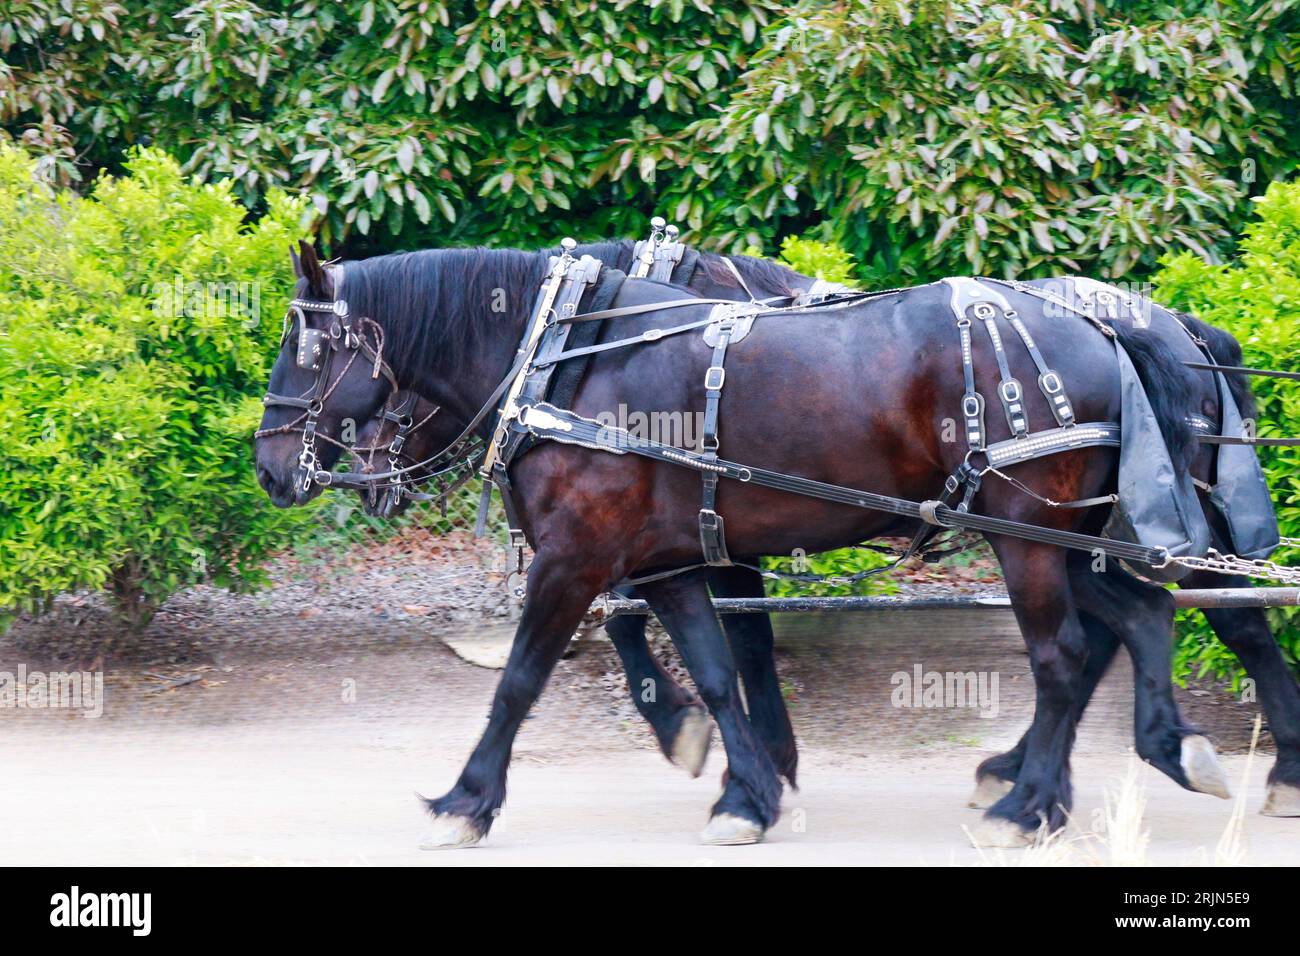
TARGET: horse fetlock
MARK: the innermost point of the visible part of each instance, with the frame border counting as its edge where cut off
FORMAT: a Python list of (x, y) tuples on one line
[(1165, 752), (757, 799)]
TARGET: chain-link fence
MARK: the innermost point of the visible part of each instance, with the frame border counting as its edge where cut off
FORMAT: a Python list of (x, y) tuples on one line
[(342, 523)]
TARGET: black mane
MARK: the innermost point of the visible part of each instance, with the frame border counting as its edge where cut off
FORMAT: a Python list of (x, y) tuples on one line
[(435, 304), (772, 277)]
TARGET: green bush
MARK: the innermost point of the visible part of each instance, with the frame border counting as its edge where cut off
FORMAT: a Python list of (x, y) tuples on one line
[(514, 122), (823, 260), (935, 137), (136, 326), (946, 137), (1257, 299)]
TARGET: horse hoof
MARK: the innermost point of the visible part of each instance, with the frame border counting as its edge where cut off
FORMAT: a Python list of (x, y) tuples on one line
[(1201, 766), (450, 831), (993, 832), (1281, 800), (691, 745), (727, 829), (988, 791)]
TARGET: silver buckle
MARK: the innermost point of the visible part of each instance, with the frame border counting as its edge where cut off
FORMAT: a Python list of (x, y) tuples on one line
[(714, 378)]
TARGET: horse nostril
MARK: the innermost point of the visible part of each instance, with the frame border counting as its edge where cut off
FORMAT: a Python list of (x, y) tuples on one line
[(264, 478)]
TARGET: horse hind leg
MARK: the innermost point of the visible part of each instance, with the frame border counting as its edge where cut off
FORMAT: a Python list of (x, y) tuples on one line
[(995, 777), (1246, 633), (1038, 584), (678, 719), (751, 799), (1143, 617)]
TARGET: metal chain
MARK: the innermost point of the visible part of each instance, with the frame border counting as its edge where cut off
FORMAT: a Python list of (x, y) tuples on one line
[(1231, 564)]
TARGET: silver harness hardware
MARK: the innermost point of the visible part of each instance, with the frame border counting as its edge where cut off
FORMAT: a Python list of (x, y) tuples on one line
[(522, 410), (657, 257), (316, 351)]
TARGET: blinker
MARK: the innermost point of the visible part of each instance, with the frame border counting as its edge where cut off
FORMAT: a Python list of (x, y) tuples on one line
[(311, 348)]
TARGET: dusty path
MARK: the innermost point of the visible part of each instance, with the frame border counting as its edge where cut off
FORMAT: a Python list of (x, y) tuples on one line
[(279, 758), (340, 792), (301, 720)]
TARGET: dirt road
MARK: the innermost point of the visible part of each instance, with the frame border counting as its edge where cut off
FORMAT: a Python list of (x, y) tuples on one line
[(339, 792), (292, 726), (288, 753)]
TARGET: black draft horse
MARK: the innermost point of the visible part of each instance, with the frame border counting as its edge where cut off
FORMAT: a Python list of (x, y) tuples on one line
[(855, 398), (676, 716)]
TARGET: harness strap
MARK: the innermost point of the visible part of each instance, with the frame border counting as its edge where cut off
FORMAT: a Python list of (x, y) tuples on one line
[(1010, 392), (1059, 301), (538, 322), (625, 310), (712, 528), (667, 254), (1049, 382), (1242, 370), (820, 291), (649, 335), (565, 426), (1233, 440), (972, 403), (739, 278)]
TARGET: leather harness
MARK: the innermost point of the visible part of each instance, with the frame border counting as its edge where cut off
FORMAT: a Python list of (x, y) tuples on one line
[(521, 413)]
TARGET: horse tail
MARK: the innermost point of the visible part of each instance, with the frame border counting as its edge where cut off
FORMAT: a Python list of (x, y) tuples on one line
[(1170, 387), (1226, 350)]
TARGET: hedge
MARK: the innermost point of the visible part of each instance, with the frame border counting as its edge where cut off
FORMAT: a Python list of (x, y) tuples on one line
[(928, 137), (136, 329), (1256, 297)]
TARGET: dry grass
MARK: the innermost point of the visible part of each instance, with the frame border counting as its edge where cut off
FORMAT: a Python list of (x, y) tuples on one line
[(1119, 836)]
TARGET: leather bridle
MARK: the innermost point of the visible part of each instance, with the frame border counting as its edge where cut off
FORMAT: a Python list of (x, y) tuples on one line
[(383, 498), (317, 351)]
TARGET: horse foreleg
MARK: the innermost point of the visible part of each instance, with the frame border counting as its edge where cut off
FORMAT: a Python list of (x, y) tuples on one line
[(1246, 633), (1039, 587), (750, 801), (557, 598), (678, 719), (751, 639)]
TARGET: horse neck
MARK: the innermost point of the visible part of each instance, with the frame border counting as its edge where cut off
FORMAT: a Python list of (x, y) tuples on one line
[(461, 380)]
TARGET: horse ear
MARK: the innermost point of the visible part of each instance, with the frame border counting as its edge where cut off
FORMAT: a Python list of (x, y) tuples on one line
[(310, 265)]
